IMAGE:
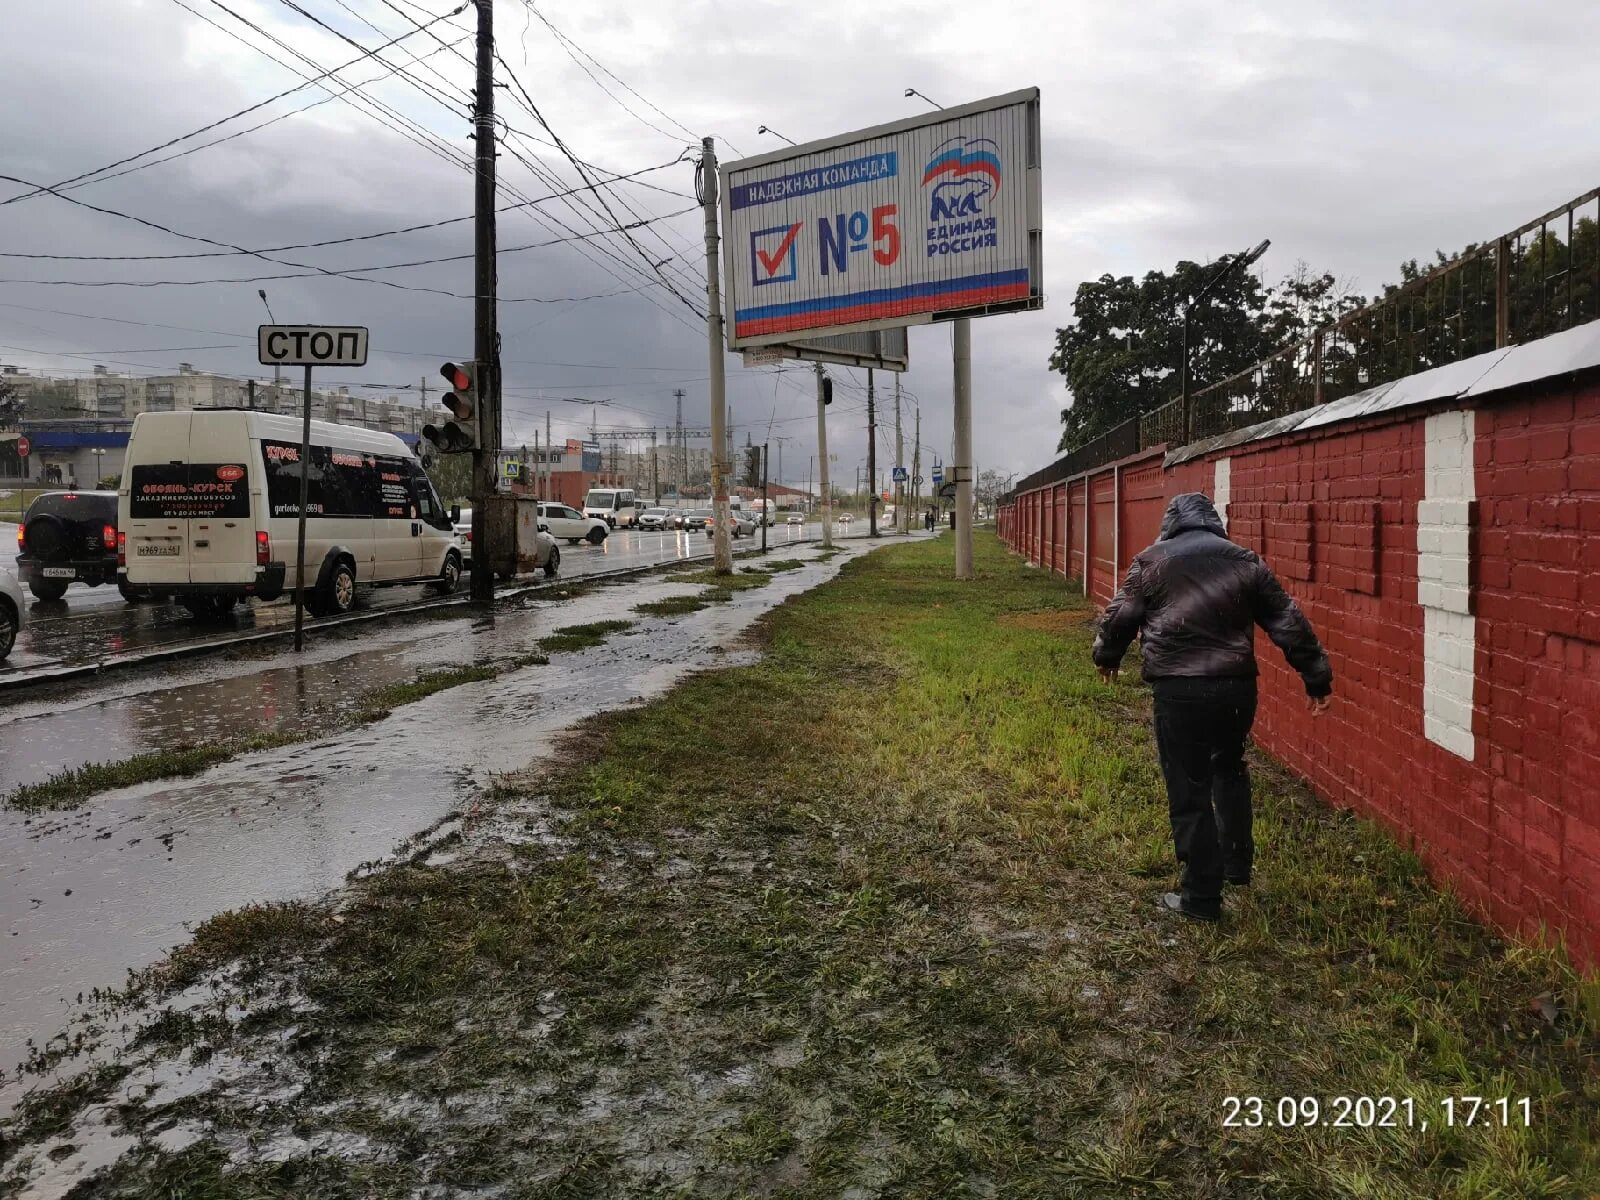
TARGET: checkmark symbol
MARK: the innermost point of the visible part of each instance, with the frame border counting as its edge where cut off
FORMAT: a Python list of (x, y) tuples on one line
[(769, 262)]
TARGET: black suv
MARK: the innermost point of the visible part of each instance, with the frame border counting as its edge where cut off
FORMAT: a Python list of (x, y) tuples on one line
[(70, 537)]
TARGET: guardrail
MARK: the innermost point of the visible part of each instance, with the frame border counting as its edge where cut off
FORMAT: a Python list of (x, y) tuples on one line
[(1538, 279)]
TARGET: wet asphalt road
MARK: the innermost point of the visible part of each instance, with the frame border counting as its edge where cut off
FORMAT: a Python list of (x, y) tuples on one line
[(90, 894), (92, 625)]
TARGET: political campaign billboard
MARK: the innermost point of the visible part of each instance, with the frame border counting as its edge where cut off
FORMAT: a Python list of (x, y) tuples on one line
[(931, 218)]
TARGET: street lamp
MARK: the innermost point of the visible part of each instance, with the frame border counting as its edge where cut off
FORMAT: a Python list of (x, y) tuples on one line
[(776, 134), (910, 92), (277, 368), (1234, 262)]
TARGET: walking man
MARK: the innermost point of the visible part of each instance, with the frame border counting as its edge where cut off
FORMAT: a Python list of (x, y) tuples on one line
[(1194, 598)]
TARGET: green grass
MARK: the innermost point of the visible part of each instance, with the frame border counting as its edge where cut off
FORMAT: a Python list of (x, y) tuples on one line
[(896, 939), (737, 582), (379, 701), (69, 788), (582, 637), (670, 606)]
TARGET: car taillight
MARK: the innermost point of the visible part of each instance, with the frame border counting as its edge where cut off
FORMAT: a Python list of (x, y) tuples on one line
[(122, 549), (263, 547), (21, 541), (108, 536), (469, 535)]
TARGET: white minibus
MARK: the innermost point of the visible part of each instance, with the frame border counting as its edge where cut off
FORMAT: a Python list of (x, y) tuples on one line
[(209, 503), (615, 506)]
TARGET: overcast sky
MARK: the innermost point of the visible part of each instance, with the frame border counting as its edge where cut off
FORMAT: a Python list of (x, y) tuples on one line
[(1352, 134)]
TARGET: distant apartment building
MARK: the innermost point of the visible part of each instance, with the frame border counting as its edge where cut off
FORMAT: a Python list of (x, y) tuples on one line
[(78, 425)]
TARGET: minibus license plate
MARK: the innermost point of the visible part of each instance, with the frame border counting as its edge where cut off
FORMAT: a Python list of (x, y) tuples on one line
[(159, 550)]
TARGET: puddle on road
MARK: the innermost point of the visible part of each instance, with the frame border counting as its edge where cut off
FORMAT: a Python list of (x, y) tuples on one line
[(91, 894)]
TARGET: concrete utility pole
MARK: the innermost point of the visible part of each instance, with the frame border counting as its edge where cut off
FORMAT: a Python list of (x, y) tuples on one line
[(683, 446), (872, 460), (721, 541), (822, 465), (961, 468), (485, 338), (899, 462)]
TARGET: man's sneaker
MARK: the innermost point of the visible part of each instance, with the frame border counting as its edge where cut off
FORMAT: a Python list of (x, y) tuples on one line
[(1173, 902)]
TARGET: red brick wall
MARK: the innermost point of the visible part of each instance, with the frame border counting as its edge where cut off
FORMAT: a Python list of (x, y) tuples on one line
[(1517, 828)]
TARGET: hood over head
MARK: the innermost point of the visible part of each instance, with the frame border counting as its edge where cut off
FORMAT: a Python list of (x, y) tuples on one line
[(1191, 510)]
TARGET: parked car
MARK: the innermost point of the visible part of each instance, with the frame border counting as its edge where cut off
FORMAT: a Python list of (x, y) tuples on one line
[(461, 524), (13, 612), (740, 524), (696, 518), (654, 518), (209, 511), (71, 537), (569, 523), (796, 519)]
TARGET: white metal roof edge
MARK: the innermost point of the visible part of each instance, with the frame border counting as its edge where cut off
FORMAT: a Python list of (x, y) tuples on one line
[(1574, 349), (822, 145)]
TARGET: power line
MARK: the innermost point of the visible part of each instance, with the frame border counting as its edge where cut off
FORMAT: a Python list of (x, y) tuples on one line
[(341, 241), (76, 179)]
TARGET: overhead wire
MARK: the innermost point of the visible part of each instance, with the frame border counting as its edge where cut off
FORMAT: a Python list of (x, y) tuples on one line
[(86, 175)]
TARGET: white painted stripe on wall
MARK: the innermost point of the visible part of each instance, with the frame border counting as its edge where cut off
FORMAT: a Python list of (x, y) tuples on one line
[(1444, 571), (1222, 488)]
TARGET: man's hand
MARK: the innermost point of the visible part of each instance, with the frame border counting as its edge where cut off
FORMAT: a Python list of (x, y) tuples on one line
[(1109, 674), (1317, 704)]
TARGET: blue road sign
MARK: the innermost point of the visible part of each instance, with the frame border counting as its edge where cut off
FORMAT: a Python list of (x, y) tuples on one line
[(901, 474)]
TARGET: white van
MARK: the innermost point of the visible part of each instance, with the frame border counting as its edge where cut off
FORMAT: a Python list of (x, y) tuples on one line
[(210, 498), (614, 506)]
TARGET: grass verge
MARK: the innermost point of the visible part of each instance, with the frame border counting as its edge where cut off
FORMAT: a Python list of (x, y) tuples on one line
[(582, 637), (670, 606), (67, 789), (897, 939)]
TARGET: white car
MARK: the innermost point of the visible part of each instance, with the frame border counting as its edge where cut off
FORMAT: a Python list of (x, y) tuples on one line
[(569, 523), (795, 519), (461, 524), (13, 612)]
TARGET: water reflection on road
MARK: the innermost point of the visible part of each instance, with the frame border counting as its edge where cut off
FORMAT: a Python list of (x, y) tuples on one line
[(90, 894)]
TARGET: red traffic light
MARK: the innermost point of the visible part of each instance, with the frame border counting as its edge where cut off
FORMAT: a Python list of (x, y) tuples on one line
[(460, 377)]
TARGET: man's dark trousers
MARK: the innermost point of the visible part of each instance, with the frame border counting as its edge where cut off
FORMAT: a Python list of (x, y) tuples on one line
[(1201, 726)]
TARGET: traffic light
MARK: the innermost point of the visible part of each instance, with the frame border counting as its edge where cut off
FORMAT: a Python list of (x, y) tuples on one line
[(461, 432), (827, 390)]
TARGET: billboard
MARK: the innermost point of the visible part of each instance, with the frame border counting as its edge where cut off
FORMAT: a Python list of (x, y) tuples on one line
[(884, 349), (931, 218)]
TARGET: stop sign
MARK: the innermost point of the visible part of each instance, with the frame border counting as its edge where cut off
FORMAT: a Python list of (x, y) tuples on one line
[(23, 446)]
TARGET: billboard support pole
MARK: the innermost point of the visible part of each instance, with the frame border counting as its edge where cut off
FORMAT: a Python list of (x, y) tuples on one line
[(899, 462), (721, 540), (962, 467), (822, 465), (872, 460)]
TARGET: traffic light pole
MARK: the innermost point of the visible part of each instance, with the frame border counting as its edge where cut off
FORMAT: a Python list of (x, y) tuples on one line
[(300, 522), (483, 317), (721, 538)]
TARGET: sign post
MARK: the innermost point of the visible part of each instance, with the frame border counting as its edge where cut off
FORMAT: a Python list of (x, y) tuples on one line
[(305, 345)]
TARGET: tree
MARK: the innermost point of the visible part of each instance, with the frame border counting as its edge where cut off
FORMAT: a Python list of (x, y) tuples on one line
[(1122, 353), (990, 487), (451, 475)]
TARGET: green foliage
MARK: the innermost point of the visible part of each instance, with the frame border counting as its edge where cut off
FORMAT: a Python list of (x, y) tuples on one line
[(452, 476)]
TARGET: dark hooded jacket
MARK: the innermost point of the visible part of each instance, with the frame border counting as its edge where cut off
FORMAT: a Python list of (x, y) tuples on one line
[(1196, 598)]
